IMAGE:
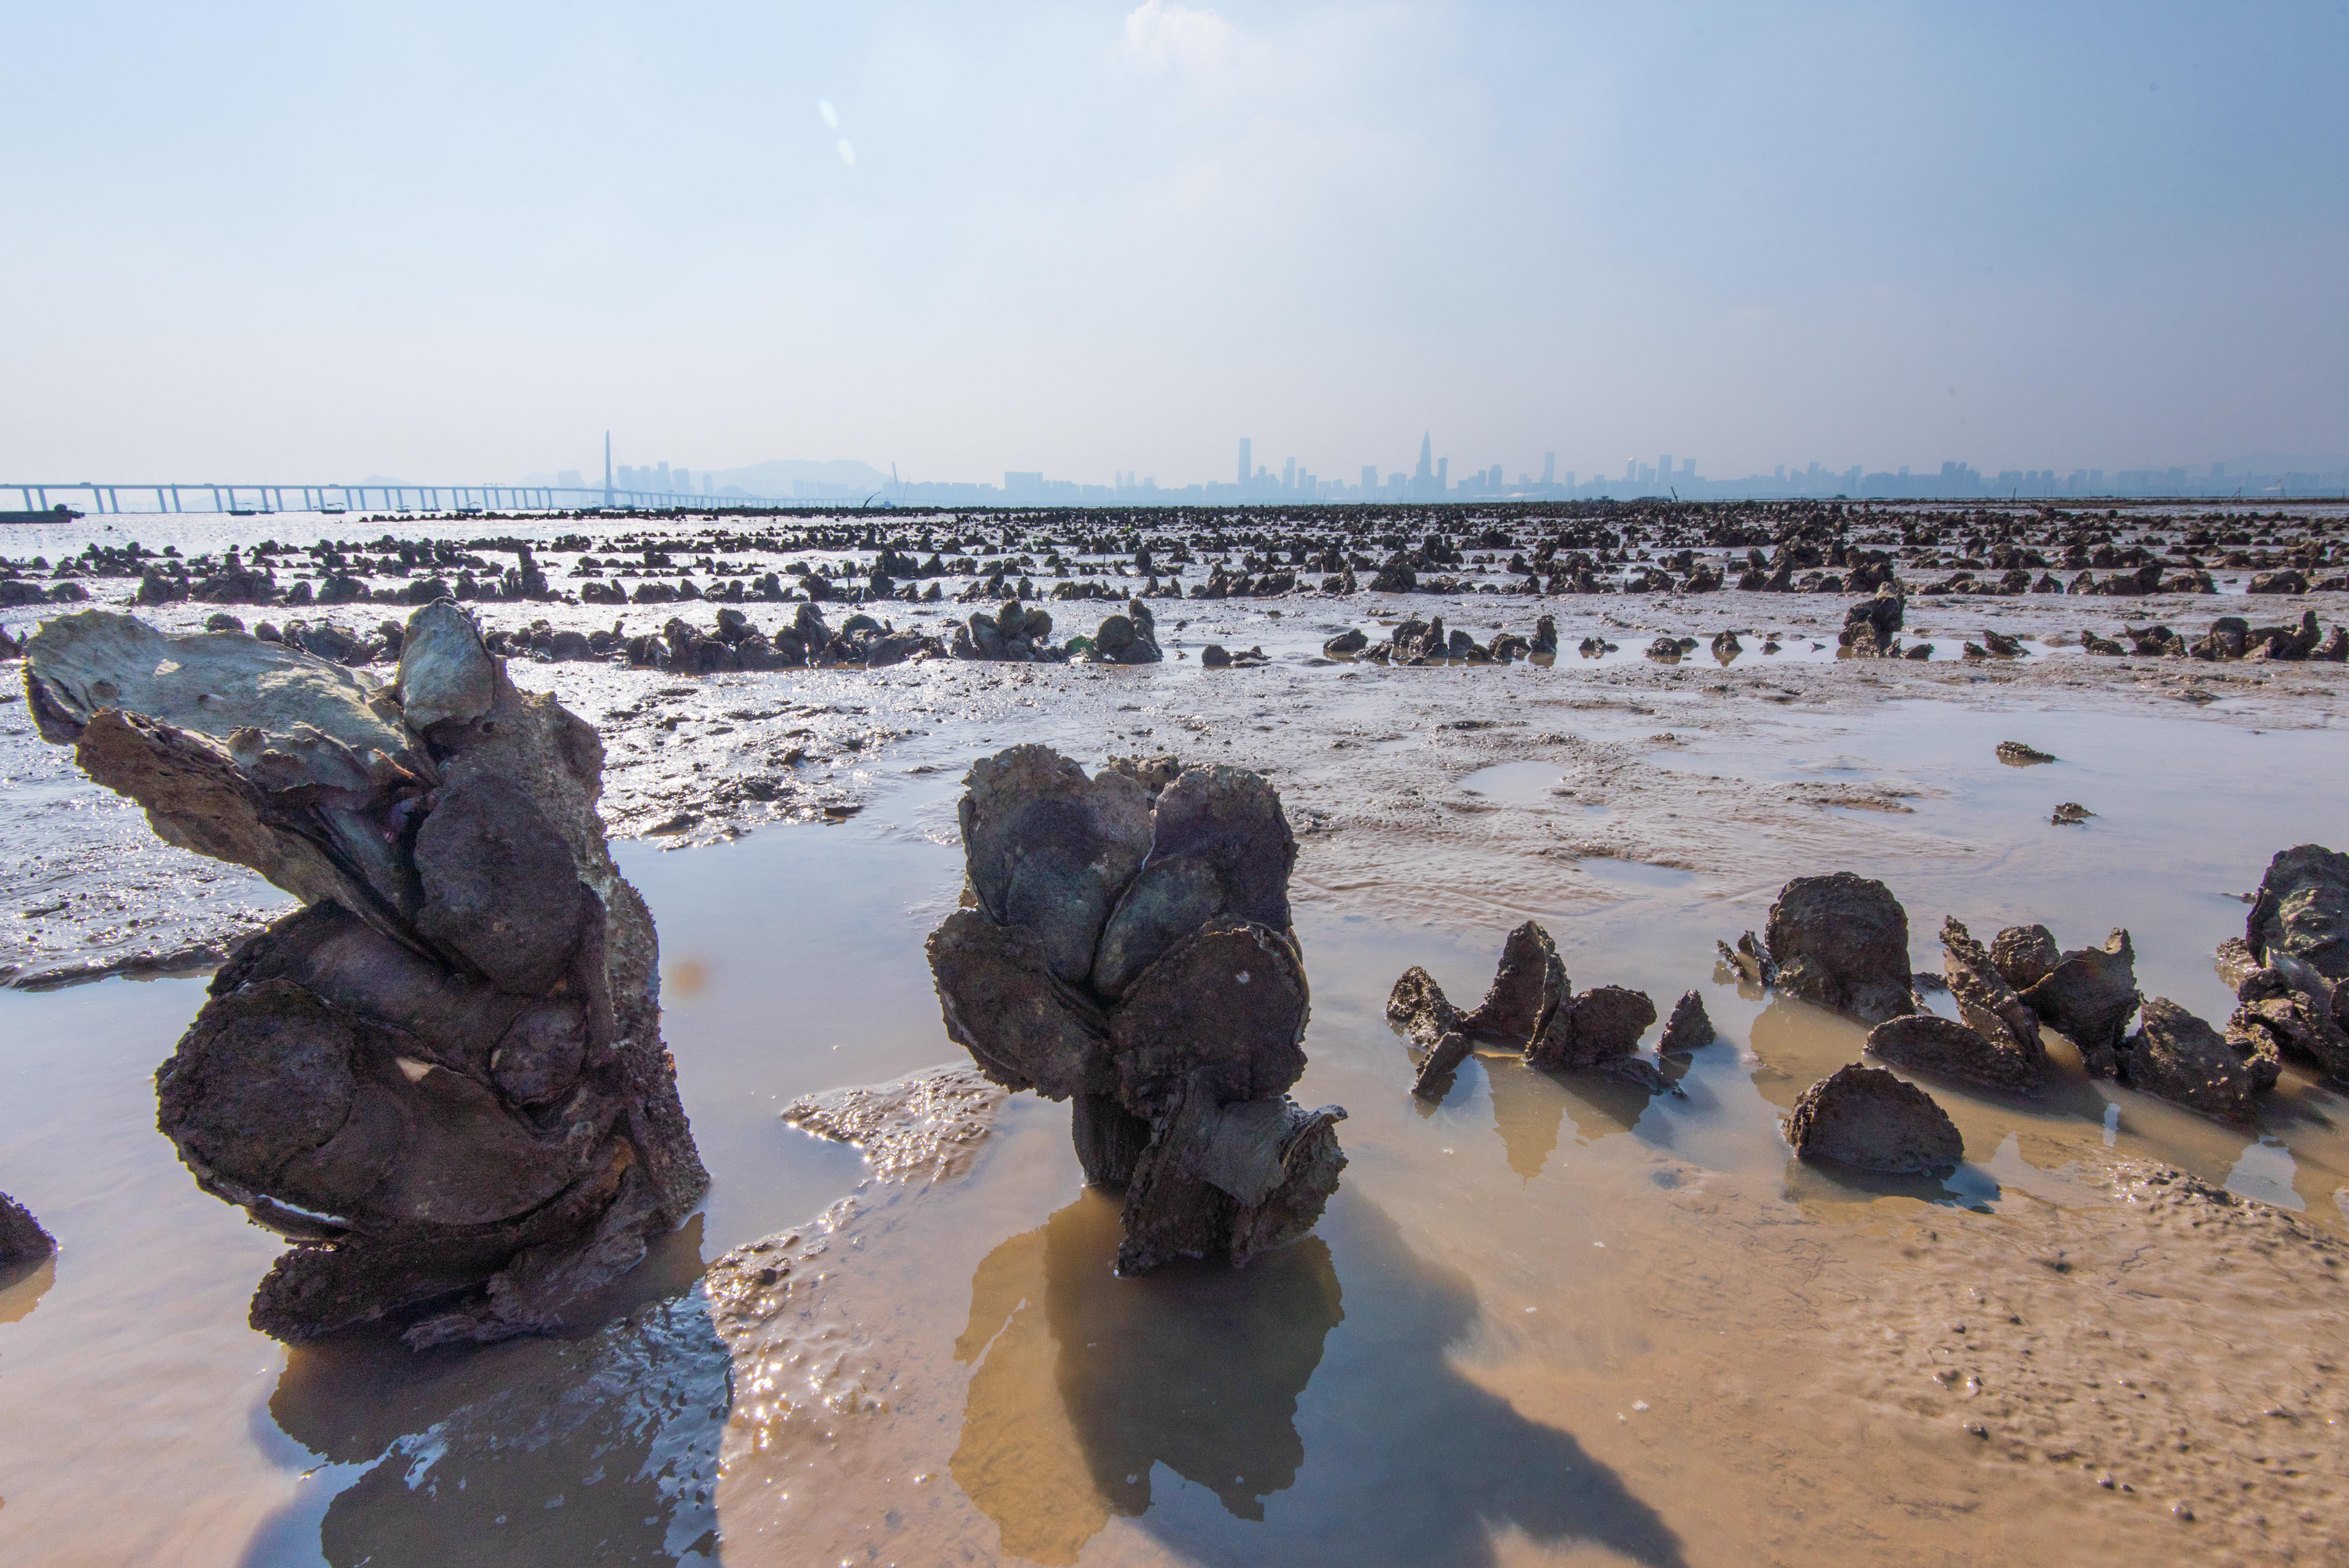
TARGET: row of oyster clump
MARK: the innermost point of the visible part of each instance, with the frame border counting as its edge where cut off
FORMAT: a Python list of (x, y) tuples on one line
[(1533, 1009), (1012, 633), (1417, 641), (1018, 633), (1841, 941), (1872, 628)]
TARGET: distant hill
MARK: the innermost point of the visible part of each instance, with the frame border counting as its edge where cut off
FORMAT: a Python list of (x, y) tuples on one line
[(777, 477)]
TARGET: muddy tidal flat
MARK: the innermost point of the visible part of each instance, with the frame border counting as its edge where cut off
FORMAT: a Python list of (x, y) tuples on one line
[(1548, 1317)]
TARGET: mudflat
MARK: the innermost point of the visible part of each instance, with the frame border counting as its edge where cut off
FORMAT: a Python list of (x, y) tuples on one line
[(1548, 1316)]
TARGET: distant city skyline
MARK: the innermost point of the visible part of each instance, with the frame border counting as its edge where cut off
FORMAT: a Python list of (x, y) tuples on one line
[(1429, 480), (851, 483)]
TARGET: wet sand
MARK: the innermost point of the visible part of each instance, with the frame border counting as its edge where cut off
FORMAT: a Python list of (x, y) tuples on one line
[(1548, 1320)]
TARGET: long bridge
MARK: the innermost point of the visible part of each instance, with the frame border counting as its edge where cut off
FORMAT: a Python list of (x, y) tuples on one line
[(246, 500)]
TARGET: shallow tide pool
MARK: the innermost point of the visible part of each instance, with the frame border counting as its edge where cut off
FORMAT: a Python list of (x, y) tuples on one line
[(1548, 1319)]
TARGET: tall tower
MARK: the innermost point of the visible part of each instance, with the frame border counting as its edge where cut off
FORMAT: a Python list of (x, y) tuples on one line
[(607, 468), (1426, 458), (1549, 468), (1245, 469)]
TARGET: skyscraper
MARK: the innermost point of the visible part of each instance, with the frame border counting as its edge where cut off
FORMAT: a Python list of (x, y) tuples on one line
[(1245, 469), (1288, 474), (1549, 468), (607, 468), (1664, 468)]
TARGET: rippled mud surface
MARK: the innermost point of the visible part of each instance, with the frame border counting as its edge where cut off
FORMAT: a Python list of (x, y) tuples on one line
[(1548, 1319)]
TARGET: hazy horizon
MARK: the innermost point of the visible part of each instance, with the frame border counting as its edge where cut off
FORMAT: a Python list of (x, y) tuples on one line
[(1100, 239)]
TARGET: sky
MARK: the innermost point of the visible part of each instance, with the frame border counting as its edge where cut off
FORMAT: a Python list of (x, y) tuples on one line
[(456, 242)]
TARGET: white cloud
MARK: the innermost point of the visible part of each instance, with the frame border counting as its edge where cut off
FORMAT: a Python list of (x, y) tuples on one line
[(1166, 35)]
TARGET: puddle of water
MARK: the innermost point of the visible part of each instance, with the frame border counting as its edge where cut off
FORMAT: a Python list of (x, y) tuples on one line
[(249, 1454), (807, 946), (1517, 783), (2266, 1172), (2189, 812), (129, 1356), (1512, 1276)]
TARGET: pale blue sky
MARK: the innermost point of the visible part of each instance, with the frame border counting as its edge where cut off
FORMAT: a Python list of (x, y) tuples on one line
[(458, 240)]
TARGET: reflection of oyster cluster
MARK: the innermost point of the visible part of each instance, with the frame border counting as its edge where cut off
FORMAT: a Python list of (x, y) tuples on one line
[(1130, 950), (444, 1074)]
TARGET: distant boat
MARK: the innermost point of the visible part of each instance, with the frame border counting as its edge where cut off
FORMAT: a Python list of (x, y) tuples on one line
[(60, 512), (333, 511)]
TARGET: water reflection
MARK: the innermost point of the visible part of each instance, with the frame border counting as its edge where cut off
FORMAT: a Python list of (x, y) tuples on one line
[(1825, 1186), (1529, 1105), (2303, 1116), (2295, 1156), (2266, 1172), (1799, 1044), (602, 1448), (23, 1284), (1085, 1383)]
